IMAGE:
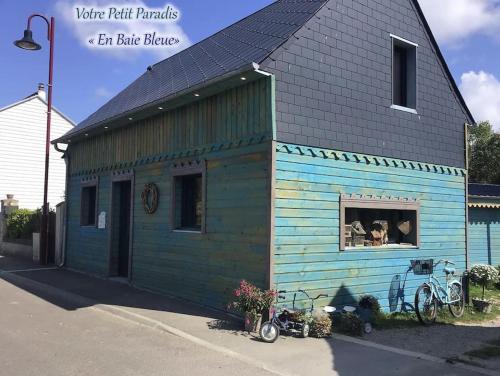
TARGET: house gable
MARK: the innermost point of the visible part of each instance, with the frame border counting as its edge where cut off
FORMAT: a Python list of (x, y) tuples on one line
[(334, 86)]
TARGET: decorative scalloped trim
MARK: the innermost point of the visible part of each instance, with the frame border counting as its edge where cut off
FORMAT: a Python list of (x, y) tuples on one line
[(367, 159), (483, 205), (377, 198), (183, 154)]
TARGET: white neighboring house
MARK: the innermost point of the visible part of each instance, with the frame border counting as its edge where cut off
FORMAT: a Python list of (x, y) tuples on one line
[(22, 151)]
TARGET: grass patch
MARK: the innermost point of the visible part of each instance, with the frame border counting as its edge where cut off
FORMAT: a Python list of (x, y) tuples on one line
[(400, 320), (469, 316), (476, 291), (397, 320)]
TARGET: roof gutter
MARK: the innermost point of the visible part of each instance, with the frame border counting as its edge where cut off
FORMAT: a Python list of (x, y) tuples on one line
[(124, 115)]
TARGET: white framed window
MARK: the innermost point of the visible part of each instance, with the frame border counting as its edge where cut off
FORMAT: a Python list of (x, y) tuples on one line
[(378, 222), (404, 74)]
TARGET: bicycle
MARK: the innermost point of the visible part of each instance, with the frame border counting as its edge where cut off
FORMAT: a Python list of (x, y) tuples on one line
[(432, 292), (270, 330)]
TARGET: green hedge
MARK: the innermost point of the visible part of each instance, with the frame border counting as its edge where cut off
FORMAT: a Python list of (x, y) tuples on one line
[(21, 223)]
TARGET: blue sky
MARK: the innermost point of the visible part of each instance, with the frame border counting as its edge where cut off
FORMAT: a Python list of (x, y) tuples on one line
[(85, 78)]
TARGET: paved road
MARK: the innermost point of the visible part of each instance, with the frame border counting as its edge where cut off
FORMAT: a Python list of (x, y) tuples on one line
[(38, 338), (46, 329)]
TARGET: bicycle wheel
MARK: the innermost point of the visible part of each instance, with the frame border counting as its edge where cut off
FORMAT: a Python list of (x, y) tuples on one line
[(425, 305), (269, 332), (456, 292), (304, 331)]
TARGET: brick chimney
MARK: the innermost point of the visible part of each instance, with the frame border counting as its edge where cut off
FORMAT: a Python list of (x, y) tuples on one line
[(41, 91)]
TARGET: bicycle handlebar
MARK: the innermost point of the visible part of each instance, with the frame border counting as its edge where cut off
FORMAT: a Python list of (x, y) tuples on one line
[(446, 262), (317, 297)]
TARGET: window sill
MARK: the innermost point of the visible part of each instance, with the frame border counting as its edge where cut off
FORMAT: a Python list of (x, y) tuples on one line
[(384, 247), (187, 231), (404, 109)]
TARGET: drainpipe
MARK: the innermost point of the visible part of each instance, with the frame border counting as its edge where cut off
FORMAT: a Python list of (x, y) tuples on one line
[(467, 261), (65, 156)]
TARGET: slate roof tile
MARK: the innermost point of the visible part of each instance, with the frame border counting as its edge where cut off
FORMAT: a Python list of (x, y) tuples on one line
[(250, 40)]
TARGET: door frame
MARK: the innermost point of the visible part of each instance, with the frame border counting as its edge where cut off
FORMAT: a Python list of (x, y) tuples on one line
[(119, 177)]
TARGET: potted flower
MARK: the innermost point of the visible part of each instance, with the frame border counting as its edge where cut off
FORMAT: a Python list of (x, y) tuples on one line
[(252, 302), (483, 275)]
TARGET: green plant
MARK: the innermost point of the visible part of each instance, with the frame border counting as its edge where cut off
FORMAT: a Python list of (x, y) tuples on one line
[(299, 316), (21, 223), (498, 283), (483, 275), (348, 323), (321, 325), (250, 299), (370, 303)]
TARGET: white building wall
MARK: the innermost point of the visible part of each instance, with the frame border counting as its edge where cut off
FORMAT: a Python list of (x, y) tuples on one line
[(22, 154)]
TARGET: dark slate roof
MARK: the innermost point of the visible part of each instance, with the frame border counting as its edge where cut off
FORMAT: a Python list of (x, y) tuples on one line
[(484, 190), (250, 40)]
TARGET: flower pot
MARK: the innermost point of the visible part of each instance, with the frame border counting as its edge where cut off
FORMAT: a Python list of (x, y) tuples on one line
[(252, 322), (483, 306)]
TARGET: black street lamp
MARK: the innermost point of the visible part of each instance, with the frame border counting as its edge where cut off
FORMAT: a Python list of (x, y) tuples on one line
[(27, 43)]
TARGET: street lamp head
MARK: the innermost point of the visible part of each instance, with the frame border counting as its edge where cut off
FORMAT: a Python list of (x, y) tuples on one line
[(27, 43)]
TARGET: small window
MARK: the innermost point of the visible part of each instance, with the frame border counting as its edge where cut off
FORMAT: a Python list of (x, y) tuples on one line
[(188, 202), (404, 73), (88, 206), (379, 223)]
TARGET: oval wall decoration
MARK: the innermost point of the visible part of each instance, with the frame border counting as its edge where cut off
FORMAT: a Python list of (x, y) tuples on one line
[(149, 198)]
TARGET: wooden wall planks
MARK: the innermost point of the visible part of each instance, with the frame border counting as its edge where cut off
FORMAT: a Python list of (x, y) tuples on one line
[(229, 116), (484, 236), (200, 267), (309, 182)]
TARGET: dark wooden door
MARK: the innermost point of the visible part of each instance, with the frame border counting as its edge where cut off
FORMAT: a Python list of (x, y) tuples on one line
[(124, 229)]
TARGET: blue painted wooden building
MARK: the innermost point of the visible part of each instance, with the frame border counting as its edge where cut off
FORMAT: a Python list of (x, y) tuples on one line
[(314, 144), (484, 224)]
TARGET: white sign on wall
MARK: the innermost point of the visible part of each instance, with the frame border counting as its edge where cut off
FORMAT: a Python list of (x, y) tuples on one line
[(101, 221)]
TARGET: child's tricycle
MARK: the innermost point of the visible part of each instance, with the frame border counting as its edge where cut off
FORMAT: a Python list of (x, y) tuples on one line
[(287, 319)]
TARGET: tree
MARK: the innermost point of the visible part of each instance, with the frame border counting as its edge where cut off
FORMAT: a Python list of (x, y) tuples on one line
[(484, 154)]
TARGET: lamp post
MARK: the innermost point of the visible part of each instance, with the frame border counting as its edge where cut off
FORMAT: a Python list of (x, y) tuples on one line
[(27, 43)]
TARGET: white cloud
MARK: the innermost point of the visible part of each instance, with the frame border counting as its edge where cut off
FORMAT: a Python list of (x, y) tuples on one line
[(481, 91), (84, 30), (454, 20), (102, 92)]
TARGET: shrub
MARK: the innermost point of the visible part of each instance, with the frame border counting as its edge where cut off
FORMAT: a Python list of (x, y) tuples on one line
[(483, 275), (349, 323), (321, 325), (251, 299), (21, 223), (371, 304), (497, 285)]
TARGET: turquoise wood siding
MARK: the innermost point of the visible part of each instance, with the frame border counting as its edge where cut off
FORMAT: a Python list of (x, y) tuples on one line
[(232, 132), (87, 247), (309, 182), (201, 267), (484, 236)]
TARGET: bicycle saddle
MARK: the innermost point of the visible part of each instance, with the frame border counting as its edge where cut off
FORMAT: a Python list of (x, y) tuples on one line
[(448, 270)]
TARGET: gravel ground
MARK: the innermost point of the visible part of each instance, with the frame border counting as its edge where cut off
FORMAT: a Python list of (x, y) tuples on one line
[(445, 341)]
